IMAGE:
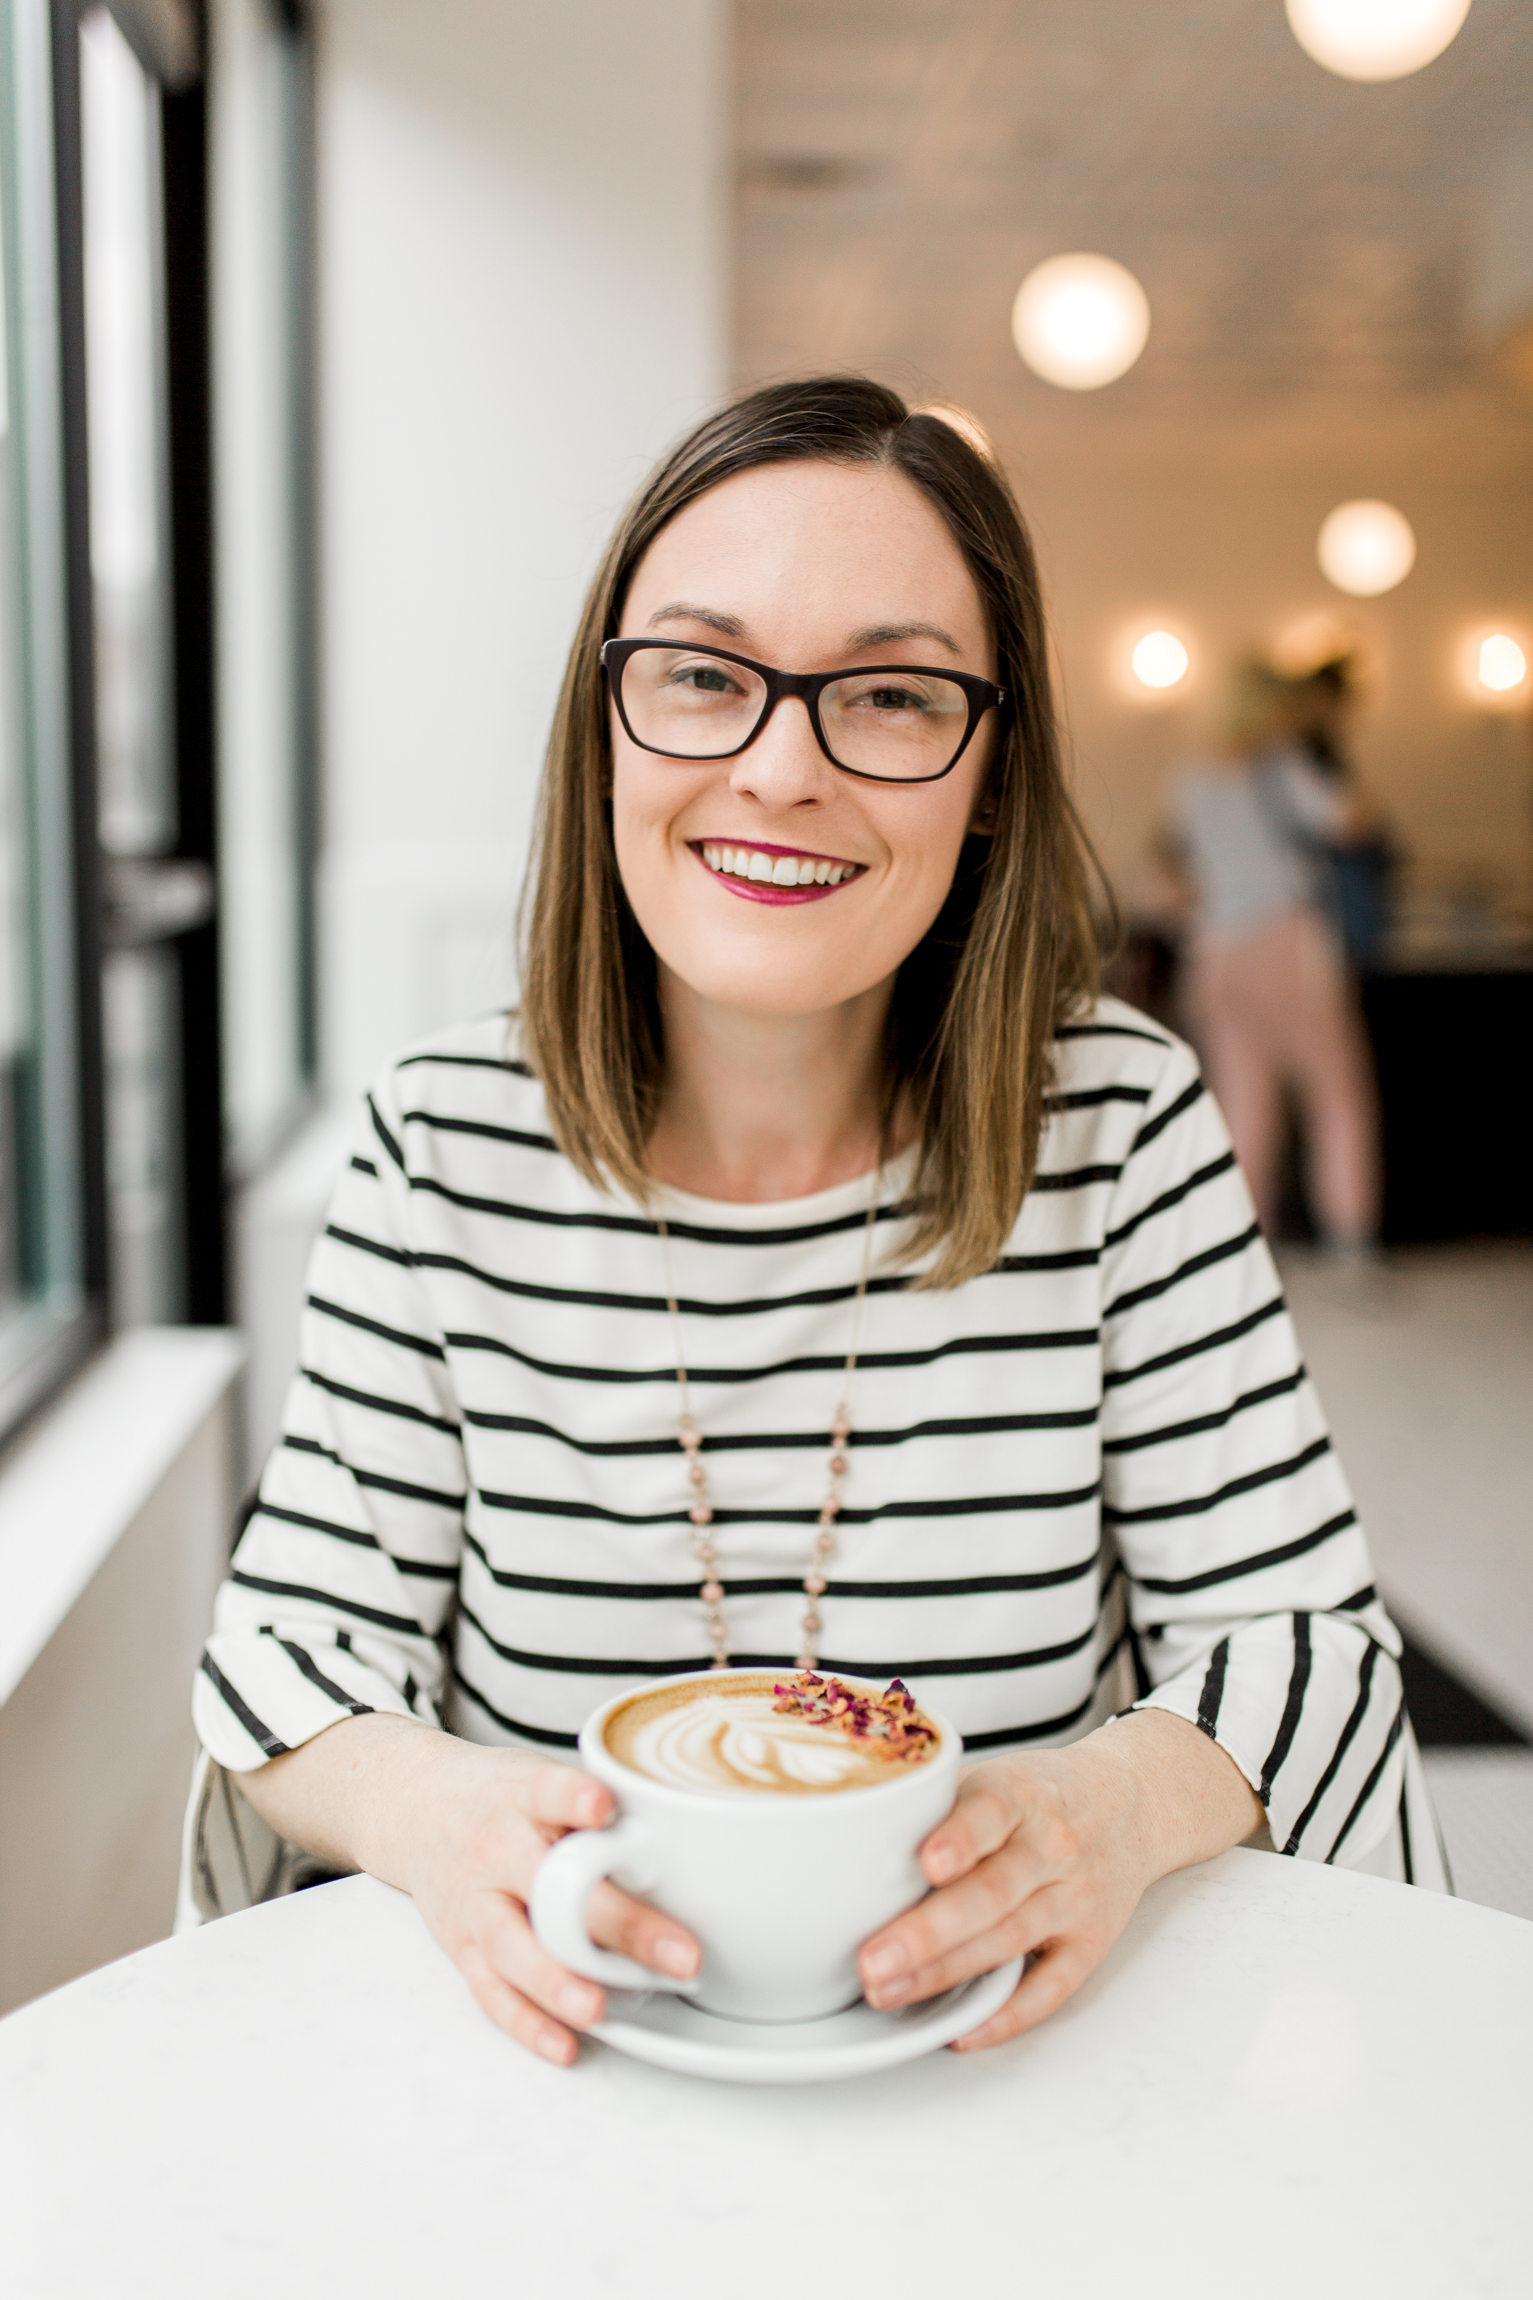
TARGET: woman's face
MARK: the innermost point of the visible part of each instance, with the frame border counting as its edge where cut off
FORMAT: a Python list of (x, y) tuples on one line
[(807, 567)]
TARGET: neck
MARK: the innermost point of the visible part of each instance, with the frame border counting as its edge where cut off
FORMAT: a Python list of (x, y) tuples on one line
[(758, 1107)]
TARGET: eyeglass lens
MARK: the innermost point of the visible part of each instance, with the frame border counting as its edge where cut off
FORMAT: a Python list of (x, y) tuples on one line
[(897, 725)]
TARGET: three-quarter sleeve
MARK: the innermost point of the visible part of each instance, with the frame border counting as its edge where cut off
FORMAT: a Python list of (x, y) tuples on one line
[(342, 1587), (1250, 1590)]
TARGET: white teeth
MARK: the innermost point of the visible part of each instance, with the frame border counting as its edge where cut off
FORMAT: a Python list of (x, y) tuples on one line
[(778, 870)]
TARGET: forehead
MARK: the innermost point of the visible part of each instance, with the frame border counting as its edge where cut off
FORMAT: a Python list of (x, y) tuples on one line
[(814, 548)]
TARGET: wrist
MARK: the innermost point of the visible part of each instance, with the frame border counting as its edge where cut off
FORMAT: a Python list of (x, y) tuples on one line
[(1186, 1799)]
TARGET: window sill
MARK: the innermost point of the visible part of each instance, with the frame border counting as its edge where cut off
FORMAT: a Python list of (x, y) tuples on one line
[(74, 1482)]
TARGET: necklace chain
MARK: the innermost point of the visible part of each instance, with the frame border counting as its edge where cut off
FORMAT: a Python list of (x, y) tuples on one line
[(700, 1512)]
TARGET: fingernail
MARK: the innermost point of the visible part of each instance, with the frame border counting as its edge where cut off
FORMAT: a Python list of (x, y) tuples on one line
[(591, 1810), (891, 1993), (576, 2002), (553, 2048), (882, 1964), (672, 1956)]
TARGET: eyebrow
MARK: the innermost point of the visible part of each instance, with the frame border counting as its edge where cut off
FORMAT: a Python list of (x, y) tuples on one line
[(680, 611), (875, 634)]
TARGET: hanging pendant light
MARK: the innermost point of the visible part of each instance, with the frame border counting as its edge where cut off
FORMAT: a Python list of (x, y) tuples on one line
[(1365, 548), (1080, 321), (1375, 39)]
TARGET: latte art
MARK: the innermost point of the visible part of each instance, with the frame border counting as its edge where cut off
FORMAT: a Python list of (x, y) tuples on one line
[(707, 1737)]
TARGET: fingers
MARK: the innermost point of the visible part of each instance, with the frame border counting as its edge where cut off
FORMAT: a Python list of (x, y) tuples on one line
[(979, 1905), (616, 1920), (561, 1797), (987, 1811), (505, 1945), (978, 1949), (522, 2020), (1054, 1976)]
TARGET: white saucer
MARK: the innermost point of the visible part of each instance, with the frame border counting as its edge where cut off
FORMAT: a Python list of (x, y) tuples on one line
[(674, 2034)]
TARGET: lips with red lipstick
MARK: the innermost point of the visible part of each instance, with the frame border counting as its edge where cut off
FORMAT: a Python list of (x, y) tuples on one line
[(764, 873)]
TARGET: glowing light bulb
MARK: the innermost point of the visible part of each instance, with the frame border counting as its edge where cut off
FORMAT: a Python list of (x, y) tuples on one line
[(1365, 548), (1375, 39), (1159, 660), (1080, 321), (1502, 665)]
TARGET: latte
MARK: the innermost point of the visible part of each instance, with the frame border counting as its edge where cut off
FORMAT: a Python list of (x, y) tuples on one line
[(755, 1730)]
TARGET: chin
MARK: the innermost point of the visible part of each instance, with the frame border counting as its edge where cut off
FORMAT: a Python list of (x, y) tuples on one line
[(754, 981)]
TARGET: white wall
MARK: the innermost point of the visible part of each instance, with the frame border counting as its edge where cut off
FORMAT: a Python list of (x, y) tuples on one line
[(522, 218)]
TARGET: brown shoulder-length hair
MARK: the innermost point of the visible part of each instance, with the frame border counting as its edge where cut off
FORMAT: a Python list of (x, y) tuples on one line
[(1013, 949)]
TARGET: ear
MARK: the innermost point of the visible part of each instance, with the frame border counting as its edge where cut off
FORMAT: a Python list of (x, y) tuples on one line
[(981, 824)]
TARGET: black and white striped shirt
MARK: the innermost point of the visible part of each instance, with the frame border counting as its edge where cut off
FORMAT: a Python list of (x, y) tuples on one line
[(1096, 1473)]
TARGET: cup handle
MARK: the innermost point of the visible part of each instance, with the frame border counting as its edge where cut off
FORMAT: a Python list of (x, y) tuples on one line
[(562, 1887)]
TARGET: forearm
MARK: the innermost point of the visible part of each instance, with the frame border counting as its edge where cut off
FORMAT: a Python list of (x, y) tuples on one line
[(1187, 1801), (356, 1795)]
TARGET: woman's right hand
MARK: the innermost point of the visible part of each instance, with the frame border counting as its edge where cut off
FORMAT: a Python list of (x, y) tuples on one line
[(462, 1828)]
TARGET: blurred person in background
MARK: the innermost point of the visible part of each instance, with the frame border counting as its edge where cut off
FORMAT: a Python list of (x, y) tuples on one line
[(1362, 866), (1268, 995)]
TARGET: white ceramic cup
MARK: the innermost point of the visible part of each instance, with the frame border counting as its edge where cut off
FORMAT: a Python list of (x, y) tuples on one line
[(780, 1890)]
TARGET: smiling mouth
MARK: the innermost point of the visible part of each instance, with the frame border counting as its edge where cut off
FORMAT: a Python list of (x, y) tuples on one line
[(771, 870)]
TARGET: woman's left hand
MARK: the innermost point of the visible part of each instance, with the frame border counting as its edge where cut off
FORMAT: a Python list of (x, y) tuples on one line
[(1048, 1855)]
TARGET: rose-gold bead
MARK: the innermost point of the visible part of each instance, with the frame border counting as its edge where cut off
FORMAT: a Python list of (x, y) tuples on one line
[(697, 1473), (804, 1661), (824, 1541), (712, 1593), (700, 1513), (814, 1583), (829, 1508), (811, 1624), (719, 1661), (838, 1465)]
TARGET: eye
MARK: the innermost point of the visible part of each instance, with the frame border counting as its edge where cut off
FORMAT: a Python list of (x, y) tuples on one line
[(706, 678)]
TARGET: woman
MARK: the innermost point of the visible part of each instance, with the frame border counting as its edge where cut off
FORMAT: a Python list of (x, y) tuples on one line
[(1269, 998), (808, 1047)]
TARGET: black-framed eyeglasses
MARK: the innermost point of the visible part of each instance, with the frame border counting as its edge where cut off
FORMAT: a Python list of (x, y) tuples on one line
[(887, 722)]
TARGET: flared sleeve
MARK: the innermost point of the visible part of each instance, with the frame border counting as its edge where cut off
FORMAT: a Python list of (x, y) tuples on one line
[(1251, 1600)]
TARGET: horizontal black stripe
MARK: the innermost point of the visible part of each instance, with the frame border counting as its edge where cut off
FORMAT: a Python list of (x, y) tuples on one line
[(1225, 1250), (759, 1441), (1108, 1030), (384, 1136), (1046, 1725), (326, 1597), (374, 1480), (363, 1245), (262, 1735), (480, 1126), (1358, 1601), (1258, 1563), (654, 1305), (951, 1505), (784, 1585), (309, 1667), (362, 1535), (507, 1062), (1272, 1473), (1116, 1376), (1075, 1178), (364, 1166), (1170, 1198), (377, 1404), (1156, 1126), (606, 1665), (375, 1326), (538, 1733), (641, 1225), (1204, 1422), (867, 1360), (1092, 1097)]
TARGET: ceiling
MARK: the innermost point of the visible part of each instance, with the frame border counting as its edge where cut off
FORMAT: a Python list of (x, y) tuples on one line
[(1332, 267)]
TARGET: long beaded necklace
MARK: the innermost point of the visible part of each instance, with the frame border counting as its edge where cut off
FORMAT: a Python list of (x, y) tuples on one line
[(700, 1511)]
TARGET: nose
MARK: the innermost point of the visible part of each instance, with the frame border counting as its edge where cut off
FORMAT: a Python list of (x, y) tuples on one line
[(784, 766)]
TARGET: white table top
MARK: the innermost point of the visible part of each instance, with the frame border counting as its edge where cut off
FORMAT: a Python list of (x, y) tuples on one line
[(1285, 2081)]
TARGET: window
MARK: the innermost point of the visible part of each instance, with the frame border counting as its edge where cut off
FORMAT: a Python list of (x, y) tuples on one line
[(51, 1270)]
